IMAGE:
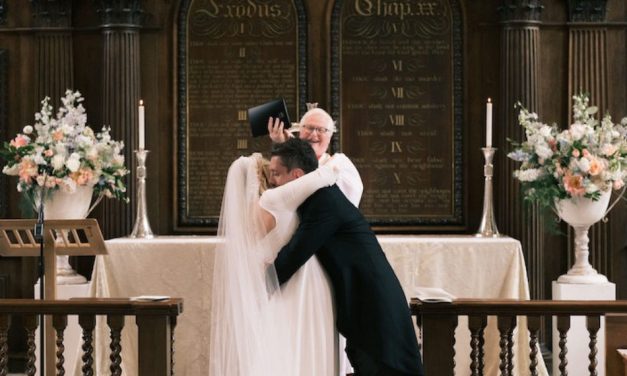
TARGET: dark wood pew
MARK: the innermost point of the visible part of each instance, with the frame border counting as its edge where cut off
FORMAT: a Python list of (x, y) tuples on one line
[(437, 322), (155, 324)]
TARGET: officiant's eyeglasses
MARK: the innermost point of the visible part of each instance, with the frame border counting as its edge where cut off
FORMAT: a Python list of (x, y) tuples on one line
[(311, 129)]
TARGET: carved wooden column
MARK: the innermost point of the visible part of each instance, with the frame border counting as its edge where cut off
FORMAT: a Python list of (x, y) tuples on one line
[(587, 72), (520, 42), (54, 66), (121, 22)]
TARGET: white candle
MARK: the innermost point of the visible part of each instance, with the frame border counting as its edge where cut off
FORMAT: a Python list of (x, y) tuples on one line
[(141, 126), (488, 124)]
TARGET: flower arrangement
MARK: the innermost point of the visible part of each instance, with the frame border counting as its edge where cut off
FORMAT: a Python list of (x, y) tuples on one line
[(588, 158), (63, 152)]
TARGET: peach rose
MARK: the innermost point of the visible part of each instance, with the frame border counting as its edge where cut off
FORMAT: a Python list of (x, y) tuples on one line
[(574, 185), (28, 169), (57, 135), (83, 176), (596, 167), (19, 141)]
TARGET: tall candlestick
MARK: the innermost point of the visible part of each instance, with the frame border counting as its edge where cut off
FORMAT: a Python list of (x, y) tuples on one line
[(142, 128), (142, 225), (488, 123), (487, 228)]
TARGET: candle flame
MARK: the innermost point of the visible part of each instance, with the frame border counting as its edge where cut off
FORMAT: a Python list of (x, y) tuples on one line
[(141, 102), (489, 100)]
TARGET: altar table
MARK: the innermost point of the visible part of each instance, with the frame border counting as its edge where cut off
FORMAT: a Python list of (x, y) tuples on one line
[(182, 266)]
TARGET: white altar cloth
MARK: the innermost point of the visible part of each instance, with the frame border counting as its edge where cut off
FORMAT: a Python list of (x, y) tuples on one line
[(182, 266)]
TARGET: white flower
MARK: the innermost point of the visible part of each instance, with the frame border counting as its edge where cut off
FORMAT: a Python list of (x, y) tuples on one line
[(83, 141), (39, 159), (529, 174), (59, 148), (583, 164), (518, 155), (28, 129), (67, 128), (91, 154), (57, 162), (544, 151), (73, 163), (564, 137), (545, 131), (608, 149), (11, 171), (577, 131), (118, 160), (592, 110), (534, 138), (591, 188)]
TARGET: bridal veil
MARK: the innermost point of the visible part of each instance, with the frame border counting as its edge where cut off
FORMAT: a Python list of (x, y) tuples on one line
[(257, 328)]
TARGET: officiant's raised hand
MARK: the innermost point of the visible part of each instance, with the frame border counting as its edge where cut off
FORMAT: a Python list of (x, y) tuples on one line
[(277, 132)]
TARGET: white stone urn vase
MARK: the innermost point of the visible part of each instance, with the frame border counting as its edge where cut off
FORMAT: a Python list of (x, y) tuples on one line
[(581, 213), (64, 205)]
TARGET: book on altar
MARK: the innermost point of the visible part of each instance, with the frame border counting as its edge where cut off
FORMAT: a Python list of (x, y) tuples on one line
[(149, 298), (258, 116), (434, 295)]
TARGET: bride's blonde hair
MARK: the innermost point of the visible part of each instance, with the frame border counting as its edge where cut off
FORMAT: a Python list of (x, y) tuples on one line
[(263, 174)]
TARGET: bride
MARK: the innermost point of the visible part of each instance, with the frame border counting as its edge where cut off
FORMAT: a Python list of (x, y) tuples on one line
[(258, 328)]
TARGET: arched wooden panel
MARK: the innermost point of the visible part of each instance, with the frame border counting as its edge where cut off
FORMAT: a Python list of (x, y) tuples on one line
[(231, 56)]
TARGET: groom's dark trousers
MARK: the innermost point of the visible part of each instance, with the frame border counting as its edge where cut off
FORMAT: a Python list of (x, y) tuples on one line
[(371, 308)]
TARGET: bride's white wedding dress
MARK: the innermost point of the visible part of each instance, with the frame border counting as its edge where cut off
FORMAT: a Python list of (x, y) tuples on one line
[(257, 327)]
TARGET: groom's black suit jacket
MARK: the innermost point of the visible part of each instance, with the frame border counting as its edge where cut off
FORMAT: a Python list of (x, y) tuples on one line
[(372, 311)]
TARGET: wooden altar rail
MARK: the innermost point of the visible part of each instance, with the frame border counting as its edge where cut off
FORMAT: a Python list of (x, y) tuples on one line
[(439, 320), (155, 325)]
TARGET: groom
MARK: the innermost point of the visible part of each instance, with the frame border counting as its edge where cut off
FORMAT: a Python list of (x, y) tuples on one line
[(371, 309)]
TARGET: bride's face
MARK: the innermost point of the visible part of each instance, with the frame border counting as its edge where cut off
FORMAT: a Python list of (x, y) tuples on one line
[(279, 174)]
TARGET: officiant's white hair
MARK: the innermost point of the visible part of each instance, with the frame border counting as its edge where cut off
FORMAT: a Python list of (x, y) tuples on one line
[(329, 122)]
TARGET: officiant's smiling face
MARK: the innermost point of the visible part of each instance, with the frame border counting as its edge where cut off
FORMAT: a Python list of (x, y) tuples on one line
[(316, 129), (279, 173)]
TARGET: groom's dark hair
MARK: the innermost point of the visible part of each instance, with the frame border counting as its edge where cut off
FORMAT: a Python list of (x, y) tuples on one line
[(296, 153)]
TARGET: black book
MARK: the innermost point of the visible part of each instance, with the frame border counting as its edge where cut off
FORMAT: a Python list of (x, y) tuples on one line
[(258, 116)]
